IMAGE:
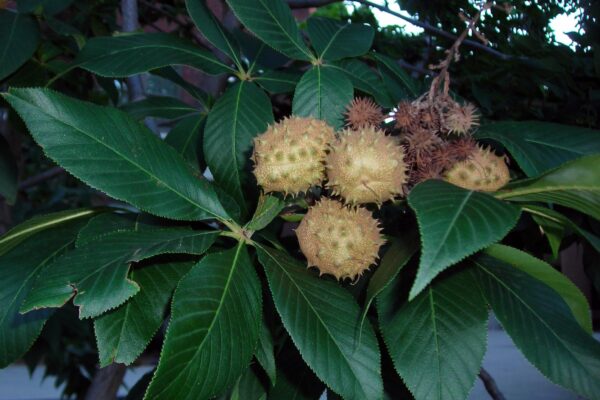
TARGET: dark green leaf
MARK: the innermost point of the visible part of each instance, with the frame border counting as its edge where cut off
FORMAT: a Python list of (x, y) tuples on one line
[(110, 151), (334, 40), (20, 36), (49, 7), (19, 268), (272, 21), (323, 93), (122, 334), (540, 146), (455, 223), (575, 184), (186, 138), (240, 114), (120, 56), (437, 341), (8, 172), (278, 81), (104, 224), (171, 75), (212, 30), (323, 321), (213, 331), (365, 79), (249, 387), (542, 326), (268, 208), (544, 272), (96, 273), (265, 352), (399, 83), (159, 107)]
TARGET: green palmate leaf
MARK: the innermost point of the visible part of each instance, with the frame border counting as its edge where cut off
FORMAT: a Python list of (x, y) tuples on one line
[(267, 210), (278, 81), (96, 273), (265, 352), (322, 319), (159, 107), (213, 332), (106, 223), (212, 30), (186, 138), (366, 80), (323, 93), (122, 334), (544, 272), (455, 223), (396, 257), (243, 112), (437, 341), (110, 151), (20, 36), (549, 216), (40, 223), (120, 56), (575, 184), (334, 40), (248, 387), (399, 83), (540, 146), (8, 172), (18, 270), (173, 76), (272, 21), (542, 326)]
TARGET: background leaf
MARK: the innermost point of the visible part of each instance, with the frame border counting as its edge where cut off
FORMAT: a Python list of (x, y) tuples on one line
[(125, 55), (278, 81), (265, 352), (186, 138), (323, 93), (213, 331), (106, 223), (122, 157), (437, 341), (20, 36), (123, 333), (272, 21), (540, 146), (541, 325), (455, 223), (159, 107), (366, 80), (575, 184), (334, 40), (8, 173), (398, 82), (241, 113), (96, 273), (268, 208), (326, 336)]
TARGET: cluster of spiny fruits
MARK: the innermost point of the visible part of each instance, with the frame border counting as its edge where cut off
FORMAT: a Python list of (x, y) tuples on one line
[(363, 165)]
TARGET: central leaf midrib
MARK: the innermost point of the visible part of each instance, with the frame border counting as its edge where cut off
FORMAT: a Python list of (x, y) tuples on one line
[(333, 37)]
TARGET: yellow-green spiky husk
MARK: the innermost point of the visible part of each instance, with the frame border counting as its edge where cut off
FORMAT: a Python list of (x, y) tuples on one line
[(289, 157), (338, 240), (482, 170), (366, 166)]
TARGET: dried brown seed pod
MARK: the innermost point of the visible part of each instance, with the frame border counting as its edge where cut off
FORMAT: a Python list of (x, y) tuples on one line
[(461, 120), (363, 112)]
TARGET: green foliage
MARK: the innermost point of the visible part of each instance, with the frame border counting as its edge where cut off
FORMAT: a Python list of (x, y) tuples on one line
[(20, 37)]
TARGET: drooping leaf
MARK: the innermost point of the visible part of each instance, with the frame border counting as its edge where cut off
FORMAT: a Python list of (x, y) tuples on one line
[(334, 40), (213, 331), (20, 36), (96, 273), (437, 341), (265, 352), (272, 21), (159, 107), (540, 146), (122, 157), (542, 326), (575, 184), (40, 223), (212, 29), (544, 272), (123, 333), (19, 268), (267, 209), (365, 79), (186, 138), (173, 76), (455, 223), (323, 93), (241, 113), (249, 387), (278, 81), (8, 172), (311, 311), (398, 82), (125, 55)]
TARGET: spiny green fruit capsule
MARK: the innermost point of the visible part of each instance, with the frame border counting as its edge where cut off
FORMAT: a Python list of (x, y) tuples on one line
[(366, 166), (338, 240), (482, 170), (289, 157)]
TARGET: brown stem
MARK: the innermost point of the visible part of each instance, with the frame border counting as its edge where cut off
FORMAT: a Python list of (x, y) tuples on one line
[(106, 383), (490, 385), (41, 177)]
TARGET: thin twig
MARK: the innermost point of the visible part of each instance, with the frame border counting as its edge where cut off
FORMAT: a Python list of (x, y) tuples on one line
[(41, 177), (129, 11), (309, 3), (490, 385)]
